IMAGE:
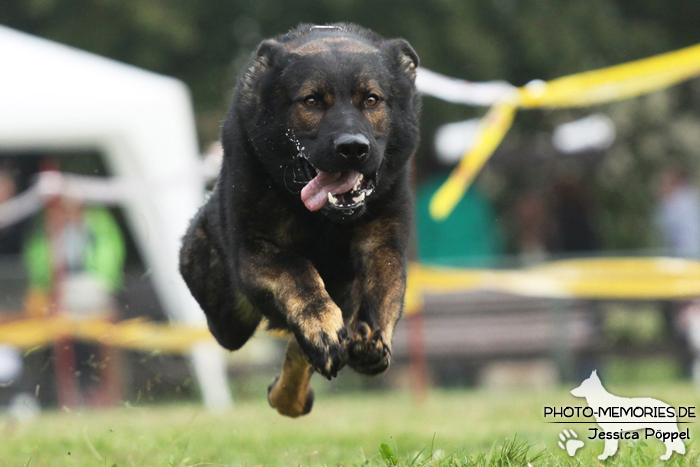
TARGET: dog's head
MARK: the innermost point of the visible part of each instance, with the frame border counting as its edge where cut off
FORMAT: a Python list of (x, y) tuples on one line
[(589, 387), (332, 114)]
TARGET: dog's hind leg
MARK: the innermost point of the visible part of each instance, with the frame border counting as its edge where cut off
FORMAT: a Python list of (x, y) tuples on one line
[(291, 392)]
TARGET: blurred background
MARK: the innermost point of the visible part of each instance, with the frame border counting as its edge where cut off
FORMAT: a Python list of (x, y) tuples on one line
[(616, 181)]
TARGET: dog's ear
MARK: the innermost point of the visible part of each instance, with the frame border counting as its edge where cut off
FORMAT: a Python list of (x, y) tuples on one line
[(404, 55), (269, 52)]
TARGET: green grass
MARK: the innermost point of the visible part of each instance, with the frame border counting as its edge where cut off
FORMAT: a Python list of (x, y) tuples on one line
[(460, 428)]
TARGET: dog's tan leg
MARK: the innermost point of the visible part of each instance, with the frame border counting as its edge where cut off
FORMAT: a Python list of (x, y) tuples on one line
[(291, 392), (287, 285), (378, 292)]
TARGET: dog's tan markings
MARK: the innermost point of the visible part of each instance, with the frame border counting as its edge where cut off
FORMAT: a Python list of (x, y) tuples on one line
[(249, 91), (372, 85), (311, 48), (364, 88), (378, 114), (356, 47), (387, 285), (317, 90), (329, 44), (311, 88), (383, 280), (379, 119), (301, 293), (408, 65), (283, 232), (305, 120), (407, 60), (285, 287), (291, 393)]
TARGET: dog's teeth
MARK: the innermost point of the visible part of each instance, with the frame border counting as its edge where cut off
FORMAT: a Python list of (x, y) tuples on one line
[(369, 191), (332, 199), (316, 170), (358, 182), (359, 198)]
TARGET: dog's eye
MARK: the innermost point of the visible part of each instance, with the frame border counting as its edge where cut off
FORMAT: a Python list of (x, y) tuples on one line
[(311, 101), (372, 100)]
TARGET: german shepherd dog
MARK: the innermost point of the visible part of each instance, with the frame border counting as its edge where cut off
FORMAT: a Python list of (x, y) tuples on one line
[(308, 224)]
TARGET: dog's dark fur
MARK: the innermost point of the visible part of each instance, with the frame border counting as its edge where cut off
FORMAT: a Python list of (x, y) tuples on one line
[(255, 251)]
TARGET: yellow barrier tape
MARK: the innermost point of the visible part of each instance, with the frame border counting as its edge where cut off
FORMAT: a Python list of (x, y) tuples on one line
[(595, 278), (583, 89), (134, 334), (493, 128), (615, 83)]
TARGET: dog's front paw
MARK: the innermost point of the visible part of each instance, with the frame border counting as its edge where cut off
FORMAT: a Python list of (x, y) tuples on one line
[(366, 351), (323, 344)]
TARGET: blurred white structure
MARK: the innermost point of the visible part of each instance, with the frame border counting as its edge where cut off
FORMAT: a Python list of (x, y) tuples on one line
[(56, 97), (595, 132), (460, 91), (10, 364), (452, 140)]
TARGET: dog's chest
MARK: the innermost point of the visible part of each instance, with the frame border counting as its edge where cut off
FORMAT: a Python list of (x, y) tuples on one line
[(326, 245)]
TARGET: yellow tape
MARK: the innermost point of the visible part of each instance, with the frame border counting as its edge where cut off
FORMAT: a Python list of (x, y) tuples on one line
[(615, 83), (595, 278), (493, 128), (583, 89), (133, 334)]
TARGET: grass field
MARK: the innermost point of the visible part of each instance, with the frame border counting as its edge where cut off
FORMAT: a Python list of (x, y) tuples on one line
[(448, 429)]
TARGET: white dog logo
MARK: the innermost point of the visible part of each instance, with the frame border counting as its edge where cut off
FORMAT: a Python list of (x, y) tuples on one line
[(609, 407)]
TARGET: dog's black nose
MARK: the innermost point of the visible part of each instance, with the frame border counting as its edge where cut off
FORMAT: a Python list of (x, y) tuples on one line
[(352, 146)]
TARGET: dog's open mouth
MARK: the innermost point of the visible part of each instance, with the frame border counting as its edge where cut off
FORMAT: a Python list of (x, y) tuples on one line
[(341, 190)]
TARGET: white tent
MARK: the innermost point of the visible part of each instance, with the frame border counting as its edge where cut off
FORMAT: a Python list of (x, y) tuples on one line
[(56, 97)]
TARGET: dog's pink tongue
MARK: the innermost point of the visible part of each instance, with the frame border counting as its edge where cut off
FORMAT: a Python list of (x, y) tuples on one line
[(315, 193)]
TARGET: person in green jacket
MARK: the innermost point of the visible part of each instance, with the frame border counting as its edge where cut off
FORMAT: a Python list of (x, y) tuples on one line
[(78, 252), (87, 242)]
